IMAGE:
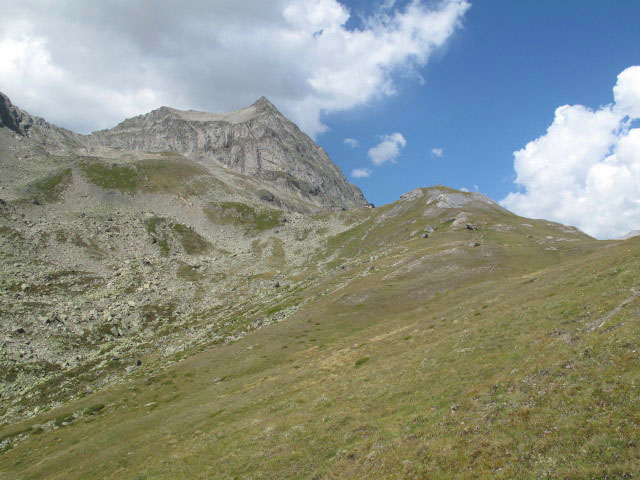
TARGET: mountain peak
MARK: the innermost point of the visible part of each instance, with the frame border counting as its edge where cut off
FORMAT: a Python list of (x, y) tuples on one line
[(263, 104), (262, 101), (257, 141), (242, 115)]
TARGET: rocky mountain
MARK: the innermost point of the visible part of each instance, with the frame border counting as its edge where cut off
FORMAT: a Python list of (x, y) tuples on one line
[(170, 309), (631, 234), (257, 141), (12, 117), (114, 238), (43, 134)]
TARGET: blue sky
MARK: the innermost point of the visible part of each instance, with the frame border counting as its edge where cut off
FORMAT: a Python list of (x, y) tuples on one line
[(491, 89), (481, 81)]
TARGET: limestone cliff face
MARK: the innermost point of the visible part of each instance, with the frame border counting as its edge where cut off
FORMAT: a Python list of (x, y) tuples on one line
[(12, 117), (53, 139), (257, 141)]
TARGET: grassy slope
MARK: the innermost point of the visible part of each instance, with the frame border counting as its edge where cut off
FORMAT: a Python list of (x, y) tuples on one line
[(423, 358), (172, 174)]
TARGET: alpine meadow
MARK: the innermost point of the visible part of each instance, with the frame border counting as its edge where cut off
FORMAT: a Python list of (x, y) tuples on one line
[(196, 295)]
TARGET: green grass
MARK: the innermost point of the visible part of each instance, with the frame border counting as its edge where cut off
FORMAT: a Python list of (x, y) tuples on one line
[(170, 175), (253, 221), (51, 187), (163, 231), (361, 361), (111, 177), (151, 224), (188, 273), (388, 371), (176, 175), (94, 409), (192, 242), (277, 258), (163, 244), (60, 420)]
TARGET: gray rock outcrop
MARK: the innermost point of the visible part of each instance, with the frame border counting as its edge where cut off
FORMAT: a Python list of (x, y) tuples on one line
[(13, 118), (631, 234), (257, 141), (53, 139)]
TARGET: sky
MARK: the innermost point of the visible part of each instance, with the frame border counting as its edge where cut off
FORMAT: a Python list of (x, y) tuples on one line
[(535, 104)]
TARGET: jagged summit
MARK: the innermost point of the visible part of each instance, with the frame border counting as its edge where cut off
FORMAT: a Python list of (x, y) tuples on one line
[(11, 117), (54, 139), (263, 102), (256, 140), (261, 106)]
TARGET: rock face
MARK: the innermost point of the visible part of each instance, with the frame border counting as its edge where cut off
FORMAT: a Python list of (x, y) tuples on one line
[(257, 141), (13, 118), (631, 234), (53, 139)]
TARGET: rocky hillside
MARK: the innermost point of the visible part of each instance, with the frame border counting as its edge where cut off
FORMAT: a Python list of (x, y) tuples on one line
[(257, 141), (288, 168), (41, 134), (167, 312), (125, 251), (631, 234)]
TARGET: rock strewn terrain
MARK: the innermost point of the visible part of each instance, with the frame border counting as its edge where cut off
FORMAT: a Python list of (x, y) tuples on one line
[(170, 232), (115, 254), (219, 325)]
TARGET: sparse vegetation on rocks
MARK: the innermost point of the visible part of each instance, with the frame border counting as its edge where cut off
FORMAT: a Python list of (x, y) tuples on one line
[(165, 316)]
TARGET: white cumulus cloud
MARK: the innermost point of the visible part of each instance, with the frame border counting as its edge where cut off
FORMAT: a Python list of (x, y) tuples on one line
[(585, 170), (626, 93), (437, 152), (87, 65), (388, 150), (352, 142), (361, 173)]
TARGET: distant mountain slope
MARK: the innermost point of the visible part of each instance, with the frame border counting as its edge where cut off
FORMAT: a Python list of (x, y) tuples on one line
[(41, 133), (440, 336), (171, 309), (631, 234), (257, 141), (103, 246)]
